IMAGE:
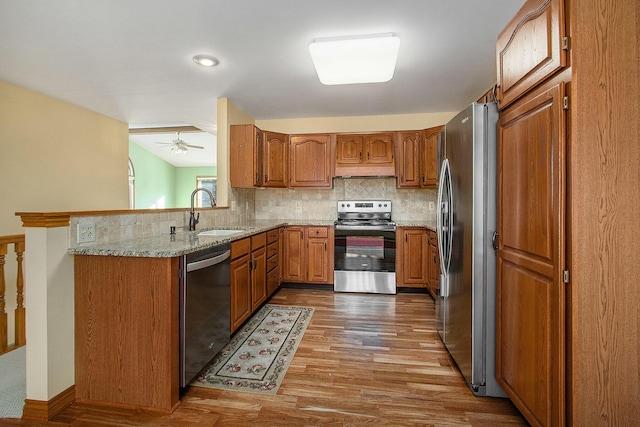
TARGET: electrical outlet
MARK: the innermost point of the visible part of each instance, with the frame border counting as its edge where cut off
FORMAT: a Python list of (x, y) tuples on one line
[(298, 206), (86, 233), (432, 206), (233, 205)]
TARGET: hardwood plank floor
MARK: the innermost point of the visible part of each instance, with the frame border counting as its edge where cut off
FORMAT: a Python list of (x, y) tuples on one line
[(364, 360)]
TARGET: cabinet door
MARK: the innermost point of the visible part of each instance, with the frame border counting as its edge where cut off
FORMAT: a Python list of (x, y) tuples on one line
[(530, 316), (258, 277), (275, 165), (414, 252), (433, 261), (240, 291), (318, 255), (379, 149), (408, 164), (243, 145), (294, 255), (530, 48), (310, 161), (348, 150), (428, 158), (318, 261)]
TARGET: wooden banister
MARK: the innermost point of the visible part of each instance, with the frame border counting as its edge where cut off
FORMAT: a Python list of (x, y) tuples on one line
[(20, 333)]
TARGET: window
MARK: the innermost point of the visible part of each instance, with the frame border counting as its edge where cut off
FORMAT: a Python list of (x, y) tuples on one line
[(208, 182), (132, 186)]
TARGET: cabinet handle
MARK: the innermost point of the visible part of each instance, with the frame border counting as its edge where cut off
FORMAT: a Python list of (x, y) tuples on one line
[(265, 178), (325, 246), (423, 178), (494, 241), (257, 178), (368, 156), (361, 156), (406, 238)]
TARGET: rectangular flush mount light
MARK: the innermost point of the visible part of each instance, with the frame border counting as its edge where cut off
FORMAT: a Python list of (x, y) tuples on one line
[(359, 59)]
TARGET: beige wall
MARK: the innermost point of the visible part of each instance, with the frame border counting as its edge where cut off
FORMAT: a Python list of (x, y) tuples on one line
[(356, 123), (55, 156)]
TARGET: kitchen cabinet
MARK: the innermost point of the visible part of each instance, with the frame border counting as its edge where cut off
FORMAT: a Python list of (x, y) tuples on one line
[(308, 253), (531, 48), (408, 159), (240, 282), (433, 263), (429, 157), (531, 227), (274, 261), (411, 260), (275, 161), (126, 331), (310, 160), (258, 266), (258, 159), (248, 277), (365, 154)]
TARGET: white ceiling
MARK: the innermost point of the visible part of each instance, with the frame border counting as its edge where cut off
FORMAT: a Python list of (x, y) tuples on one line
[(131, 59)]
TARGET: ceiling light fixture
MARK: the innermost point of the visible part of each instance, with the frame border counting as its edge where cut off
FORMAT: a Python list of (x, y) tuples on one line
[(206, 60), (358, 59)]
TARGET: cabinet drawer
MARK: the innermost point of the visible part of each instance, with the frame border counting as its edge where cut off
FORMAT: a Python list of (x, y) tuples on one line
[(318, 232), (258, 241), (272, 263), (240, 247), (272, 249), (272, 235), (273, 280)]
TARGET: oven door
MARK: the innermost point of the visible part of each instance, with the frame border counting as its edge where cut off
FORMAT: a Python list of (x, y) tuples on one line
[(365, 260)]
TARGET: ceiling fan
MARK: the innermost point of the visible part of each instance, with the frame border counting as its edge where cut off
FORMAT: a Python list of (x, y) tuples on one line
[(179, 146)]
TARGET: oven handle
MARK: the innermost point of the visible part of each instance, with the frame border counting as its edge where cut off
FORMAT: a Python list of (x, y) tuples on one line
[(364, 227)]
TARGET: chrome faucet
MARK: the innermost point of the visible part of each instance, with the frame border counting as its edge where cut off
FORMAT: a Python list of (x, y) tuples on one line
[(193, 219)]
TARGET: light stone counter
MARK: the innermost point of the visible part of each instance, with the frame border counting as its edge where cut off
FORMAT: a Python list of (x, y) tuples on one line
[(431, 225), (182, 243)]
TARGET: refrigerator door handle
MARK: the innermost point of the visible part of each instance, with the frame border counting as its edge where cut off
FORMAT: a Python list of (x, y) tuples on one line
[(444, 218)]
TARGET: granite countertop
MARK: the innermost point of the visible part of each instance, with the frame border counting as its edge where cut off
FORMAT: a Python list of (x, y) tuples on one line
[(182, 243), (431, 225)]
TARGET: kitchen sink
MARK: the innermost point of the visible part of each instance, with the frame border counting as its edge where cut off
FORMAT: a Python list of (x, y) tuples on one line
[(219, 232)]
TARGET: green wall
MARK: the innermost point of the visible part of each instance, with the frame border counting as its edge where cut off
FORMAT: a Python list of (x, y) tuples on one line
[(159, 184), (186, 182)]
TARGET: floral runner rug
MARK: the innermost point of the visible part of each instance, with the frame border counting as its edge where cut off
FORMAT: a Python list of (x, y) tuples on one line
[(257, 357)]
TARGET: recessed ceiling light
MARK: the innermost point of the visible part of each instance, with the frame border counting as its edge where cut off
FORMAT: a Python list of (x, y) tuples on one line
[(358, 59), (205, 60)]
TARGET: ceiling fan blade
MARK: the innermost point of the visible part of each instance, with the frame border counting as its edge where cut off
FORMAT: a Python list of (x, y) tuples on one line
[(164, 143), (193, 146)]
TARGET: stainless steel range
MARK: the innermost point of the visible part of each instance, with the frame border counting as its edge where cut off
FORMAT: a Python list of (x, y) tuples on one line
[(365, 247)]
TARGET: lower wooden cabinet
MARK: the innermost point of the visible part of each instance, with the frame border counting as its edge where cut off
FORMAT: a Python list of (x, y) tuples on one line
[(240, 282), (274, 255), (258, 264), (411, 257), (308, 254), (433, 263)]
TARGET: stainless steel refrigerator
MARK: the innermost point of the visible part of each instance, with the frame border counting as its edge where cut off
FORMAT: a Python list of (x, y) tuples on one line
[(466, 222)]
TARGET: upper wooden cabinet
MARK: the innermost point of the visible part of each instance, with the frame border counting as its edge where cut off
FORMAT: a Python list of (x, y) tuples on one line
[(258, 159), (531, 48), (429, 157), (365, 154), (310, 160), (408, 155), (275, 164)]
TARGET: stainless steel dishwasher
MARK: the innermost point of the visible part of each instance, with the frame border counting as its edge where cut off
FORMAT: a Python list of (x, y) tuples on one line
[(205, 304)]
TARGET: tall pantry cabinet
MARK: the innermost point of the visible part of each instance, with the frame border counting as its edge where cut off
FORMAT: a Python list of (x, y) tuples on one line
[(568, 200)]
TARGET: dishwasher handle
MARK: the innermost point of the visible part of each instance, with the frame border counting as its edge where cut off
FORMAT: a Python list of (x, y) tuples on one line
[(199, 265)]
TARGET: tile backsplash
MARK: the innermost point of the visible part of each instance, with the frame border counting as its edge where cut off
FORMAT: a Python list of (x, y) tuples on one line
[(265, 203), (407, 204)]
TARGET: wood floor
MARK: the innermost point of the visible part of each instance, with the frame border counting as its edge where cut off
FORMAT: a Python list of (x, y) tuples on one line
[(364, 360)]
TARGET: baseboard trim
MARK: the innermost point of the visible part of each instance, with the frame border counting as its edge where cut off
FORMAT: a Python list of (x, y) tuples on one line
[(39, 410)]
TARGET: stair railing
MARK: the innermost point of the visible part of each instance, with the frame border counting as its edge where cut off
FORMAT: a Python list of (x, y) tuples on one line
[(19, 316)]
